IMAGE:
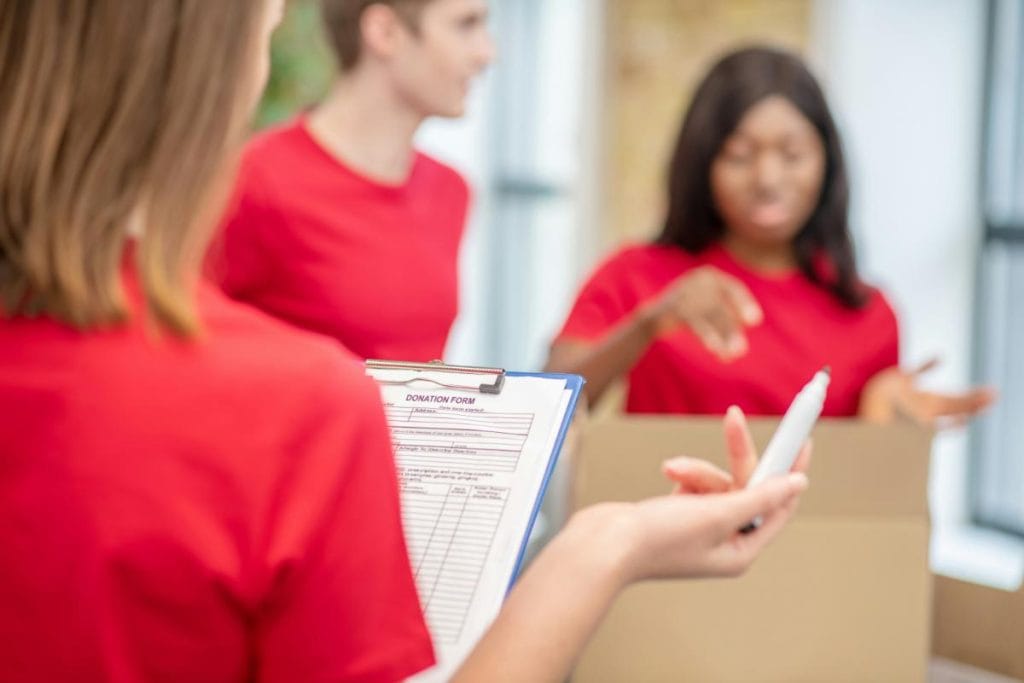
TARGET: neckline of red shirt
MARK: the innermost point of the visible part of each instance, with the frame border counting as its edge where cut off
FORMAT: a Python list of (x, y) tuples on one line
[(717, 255), (301, 129)]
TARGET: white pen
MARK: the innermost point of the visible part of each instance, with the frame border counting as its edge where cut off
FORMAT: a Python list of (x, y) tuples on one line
[(791, 434)]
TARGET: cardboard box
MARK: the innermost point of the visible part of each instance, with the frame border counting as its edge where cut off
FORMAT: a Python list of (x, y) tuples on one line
[(980, 626), (844, 594)]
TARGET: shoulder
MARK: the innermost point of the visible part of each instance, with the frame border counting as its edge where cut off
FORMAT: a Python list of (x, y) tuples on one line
[(257, 352), (263, 176), (246, 378), (269, 154), (441, 174), (282, 140), (645, 260), (877, 304), (627, 277), (875, 316)]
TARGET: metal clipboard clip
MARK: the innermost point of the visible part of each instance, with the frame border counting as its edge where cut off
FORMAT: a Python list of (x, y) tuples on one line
[(419, 370)]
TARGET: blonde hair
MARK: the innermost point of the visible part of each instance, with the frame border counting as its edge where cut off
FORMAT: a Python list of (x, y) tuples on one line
[(109, 108)]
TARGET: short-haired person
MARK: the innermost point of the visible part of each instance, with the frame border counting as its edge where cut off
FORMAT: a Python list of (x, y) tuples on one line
[(191, 490), (340, 226), (752, 285)]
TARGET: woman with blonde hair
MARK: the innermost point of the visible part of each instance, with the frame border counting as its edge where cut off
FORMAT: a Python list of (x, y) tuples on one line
[(190, 491)]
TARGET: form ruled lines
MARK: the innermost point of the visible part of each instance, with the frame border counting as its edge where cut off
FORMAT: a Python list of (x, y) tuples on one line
[(449, 530), (491, 441)]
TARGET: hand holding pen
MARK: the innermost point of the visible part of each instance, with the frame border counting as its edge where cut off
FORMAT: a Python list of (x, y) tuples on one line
[(696, 476)]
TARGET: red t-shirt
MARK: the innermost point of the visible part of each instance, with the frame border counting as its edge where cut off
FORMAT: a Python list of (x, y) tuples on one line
[(805, 328), (320, 246), (222, 510)]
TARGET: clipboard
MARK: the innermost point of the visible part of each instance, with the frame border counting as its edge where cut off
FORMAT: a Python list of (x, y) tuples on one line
[(573, 384), (422, 372), (430, 402)]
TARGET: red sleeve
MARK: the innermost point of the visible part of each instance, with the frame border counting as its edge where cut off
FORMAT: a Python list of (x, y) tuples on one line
[(880, 344), (606, 298), (462, 196), (890, 334), (343, 603), (240, 258)]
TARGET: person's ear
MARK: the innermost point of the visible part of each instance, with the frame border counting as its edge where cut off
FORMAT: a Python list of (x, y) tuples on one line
[(381, 30)]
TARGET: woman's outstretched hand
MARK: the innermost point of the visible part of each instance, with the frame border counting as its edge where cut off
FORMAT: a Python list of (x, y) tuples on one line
[(714, 305), (894, 393)]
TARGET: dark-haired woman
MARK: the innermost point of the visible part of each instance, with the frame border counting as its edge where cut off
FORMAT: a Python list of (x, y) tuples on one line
[(752, 284)]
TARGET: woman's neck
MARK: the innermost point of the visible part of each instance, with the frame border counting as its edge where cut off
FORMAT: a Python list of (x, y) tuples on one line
[(762, 258)]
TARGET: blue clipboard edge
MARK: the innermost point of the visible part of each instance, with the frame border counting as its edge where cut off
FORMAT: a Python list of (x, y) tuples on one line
[(574, 383)]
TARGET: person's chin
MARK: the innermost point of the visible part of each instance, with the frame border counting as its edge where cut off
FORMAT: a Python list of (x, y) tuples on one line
[(448, 107), (446, 112), (771, 232), (457, 107)]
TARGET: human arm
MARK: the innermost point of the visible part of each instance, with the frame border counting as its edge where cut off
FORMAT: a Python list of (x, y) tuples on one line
[(714, 305), (561, 600)]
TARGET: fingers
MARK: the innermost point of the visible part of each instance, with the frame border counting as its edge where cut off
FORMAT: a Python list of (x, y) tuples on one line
[(719, 334), (741, 300), (803, 459), (737, 555), (924, 367), (717, 307), (709, 336), (739, 445), (933, 406), (893, 393), (740, 507), (696, 476), (729, 327)]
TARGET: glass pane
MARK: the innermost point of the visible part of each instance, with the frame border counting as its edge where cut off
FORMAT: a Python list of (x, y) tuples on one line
[(998, 461), (534, 201), (1004, 187), (997, 465)]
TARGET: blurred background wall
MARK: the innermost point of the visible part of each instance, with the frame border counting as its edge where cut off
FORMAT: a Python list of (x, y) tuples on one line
[(300, 64), (657, 52)]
